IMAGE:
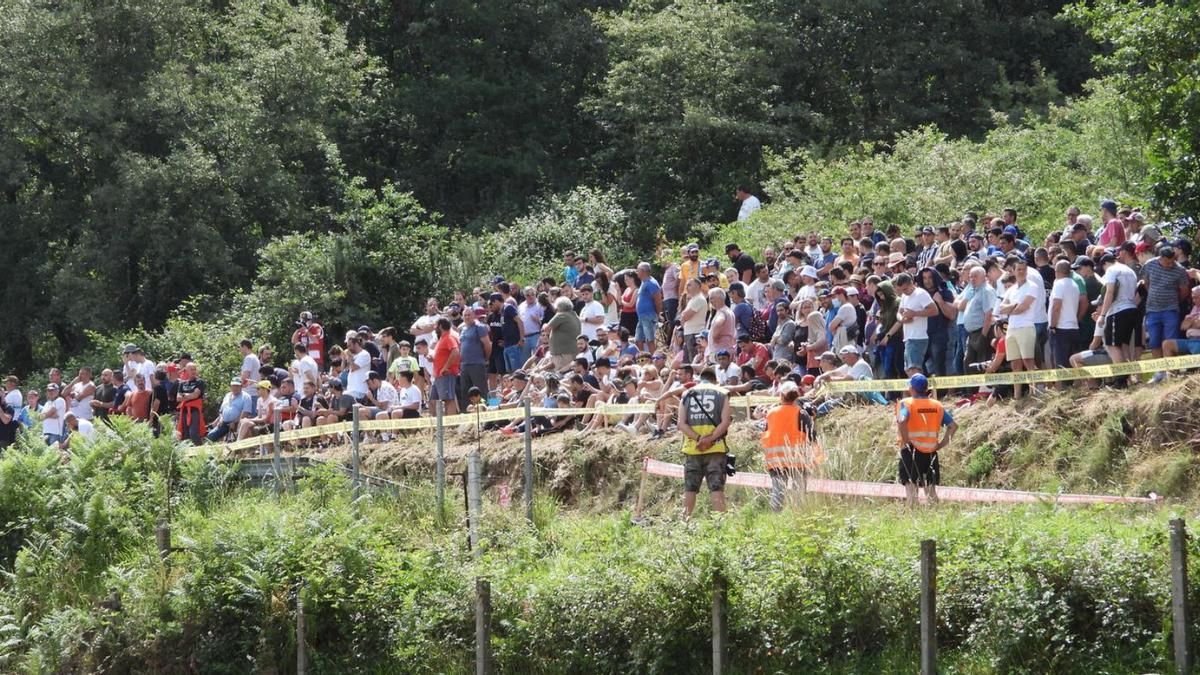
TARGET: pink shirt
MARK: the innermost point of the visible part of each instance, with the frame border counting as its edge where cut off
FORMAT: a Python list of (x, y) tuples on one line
[(670, 282), (723, 336), (1113, 233), (1193, 333)]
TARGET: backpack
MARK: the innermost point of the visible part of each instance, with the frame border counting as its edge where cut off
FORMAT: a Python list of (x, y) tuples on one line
[(759, 326)]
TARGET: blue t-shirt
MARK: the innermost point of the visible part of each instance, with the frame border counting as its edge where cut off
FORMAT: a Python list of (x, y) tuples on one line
[(584, 279), (744, 314), (471, 344), (823, 260), (645, 299), (570, 274), (510, 326), (629, 350)]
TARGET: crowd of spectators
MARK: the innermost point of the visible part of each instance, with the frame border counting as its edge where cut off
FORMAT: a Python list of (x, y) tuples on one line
[(972, 296)]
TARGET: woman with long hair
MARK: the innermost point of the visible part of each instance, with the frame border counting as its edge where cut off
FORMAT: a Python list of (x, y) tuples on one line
[(606, 296), (598, 262), (818, 341), (937, 358), (629, 301)]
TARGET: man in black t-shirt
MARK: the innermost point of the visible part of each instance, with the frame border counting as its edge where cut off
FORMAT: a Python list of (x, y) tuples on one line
[(104, 400), (191, 405), (161, 404), (8, 425), (742, 262)]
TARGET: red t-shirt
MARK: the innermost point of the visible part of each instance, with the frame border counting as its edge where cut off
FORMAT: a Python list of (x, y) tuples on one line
[(757, 353), (441, 354)]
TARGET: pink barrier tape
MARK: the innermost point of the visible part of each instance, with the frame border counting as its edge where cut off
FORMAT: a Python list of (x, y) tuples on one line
[(896, 491)]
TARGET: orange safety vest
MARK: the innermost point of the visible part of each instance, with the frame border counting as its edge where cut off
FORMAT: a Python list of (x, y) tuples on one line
[(785, 445), (924, 421)]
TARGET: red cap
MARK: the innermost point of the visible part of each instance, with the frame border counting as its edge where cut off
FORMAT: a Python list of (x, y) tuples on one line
[(808, 380), (172, 368), (1142, 247)]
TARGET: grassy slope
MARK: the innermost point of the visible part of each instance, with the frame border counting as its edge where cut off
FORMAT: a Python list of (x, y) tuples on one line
[(1128, 442)]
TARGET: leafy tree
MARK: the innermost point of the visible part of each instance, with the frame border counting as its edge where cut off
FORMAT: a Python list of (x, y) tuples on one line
[(1152, 56)]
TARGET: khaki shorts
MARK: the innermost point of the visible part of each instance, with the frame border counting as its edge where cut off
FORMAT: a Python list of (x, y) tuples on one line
[(709, 468), (1021, 343)]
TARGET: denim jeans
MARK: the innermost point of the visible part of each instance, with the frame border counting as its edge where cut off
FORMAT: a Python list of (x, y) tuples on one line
[(935, 357), (512, 358), (887, 358), (531, 343), (960, 350)]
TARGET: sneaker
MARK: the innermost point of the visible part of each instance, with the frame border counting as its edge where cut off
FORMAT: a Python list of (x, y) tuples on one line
[(1159, 377), (626, 428)]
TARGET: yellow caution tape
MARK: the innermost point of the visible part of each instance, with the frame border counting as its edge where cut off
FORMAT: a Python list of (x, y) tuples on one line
[(1025, 377)]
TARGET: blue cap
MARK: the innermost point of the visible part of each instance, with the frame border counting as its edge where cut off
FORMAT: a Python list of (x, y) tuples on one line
[(1109, 204), (919, 383), (1011, 229)]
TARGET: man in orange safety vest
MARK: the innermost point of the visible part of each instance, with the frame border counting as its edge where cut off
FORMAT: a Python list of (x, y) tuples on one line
[(918, 421)]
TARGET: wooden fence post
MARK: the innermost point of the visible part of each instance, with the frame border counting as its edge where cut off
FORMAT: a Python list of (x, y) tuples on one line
[(720, 624), (528, 463), (277, 459), (162, 538), (928, 607), (440, 467), (474, 500), (301, 634), (483, 627), (1179, 593), (355, 470)]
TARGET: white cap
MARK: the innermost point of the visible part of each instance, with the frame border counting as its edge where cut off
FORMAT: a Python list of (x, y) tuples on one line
[(848, 349), (809, 271), (850, 290)]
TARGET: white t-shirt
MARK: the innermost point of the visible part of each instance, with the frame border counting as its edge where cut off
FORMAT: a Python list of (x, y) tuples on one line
[(86, 429), (749, 205), (531, 317), (387, 394), (859, 371), (356, 381), (695, 324), (1017, 294), (806, 293), (146, 370), (756, 293), (81, 406), (918, 328), (724, 375), (1068, 292), (55, 425), (849, 317), (410, 395), (250, 366), (1000, 289), (1040, 312), (307, 371), (1126, 281), (591, 310), (430, 337), (14, 399)]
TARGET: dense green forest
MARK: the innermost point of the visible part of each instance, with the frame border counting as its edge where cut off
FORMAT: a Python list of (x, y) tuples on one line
[(232, 162)]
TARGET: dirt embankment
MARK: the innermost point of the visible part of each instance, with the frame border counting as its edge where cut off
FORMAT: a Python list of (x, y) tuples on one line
[(1113, 441)]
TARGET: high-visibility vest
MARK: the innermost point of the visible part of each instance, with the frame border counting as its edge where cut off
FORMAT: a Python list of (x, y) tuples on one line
[(923, 423), (785, 444), (702, 406)]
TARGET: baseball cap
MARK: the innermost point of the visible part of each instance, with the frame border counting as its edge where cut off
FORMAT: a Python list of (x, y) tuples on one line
[(808, 380), (848, 349), (723, 352), (263, 384), (829, 356), (823, 293), (1011, 229), (795, 253), (975, 235), (919, 383), (237, 381), (1138, 216), (496, 297), (520, 375), (693, 248), (703, 334), (497, 279), (1142, 247), (364, 328), (850, 290), (1107, 258), (52, 386), (129, 348), (1083, 261), (1167, 251), (926, 230), (1150, 233), (480, 312), (839, 289), (809, 271), (171, 368)]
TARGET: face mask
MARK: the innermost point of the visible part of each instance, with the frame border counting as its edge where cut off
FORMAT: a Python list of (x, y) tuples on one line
[(837, 303)]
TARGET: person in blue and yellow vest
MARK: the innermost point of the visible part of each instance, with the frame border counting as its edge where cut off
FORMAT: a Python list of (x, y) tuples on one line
[(704, 419), (918, 421), (790, 448)]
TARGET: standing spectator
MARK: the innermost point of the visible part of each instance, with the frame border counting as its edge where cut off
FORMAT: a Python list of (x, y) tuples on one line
[(1113, 233), (750, 203), (106, 394), (975, 307), (250, 363), (888, 354), (591, 316), (12, 392), (510, 329), (789, 445), (310, 334), (447, 366), (531, 313), (235, 407), (360, 367), (1020, 343), (918, 421), (191, 404), (756, 292), (940, 322), (562, 331), (843, 327), (742, 262), (781, 341), (722, 333), (1119, 310), (1064, 316), (649, 308), (389, 346), (1167, 285), (423, 328), (53, 412), (8, 424), (916, 306), (304, 368), (670, 291), (144, 367), (693, 318), (82, 392), (743, 313), (164, 399), (497, 365), (475, 345)]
